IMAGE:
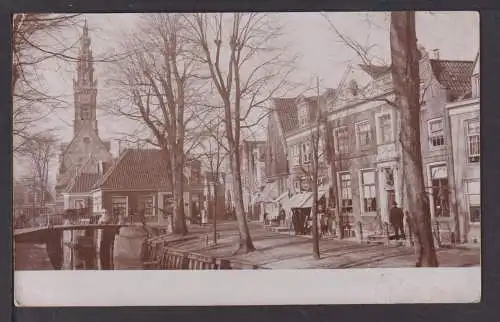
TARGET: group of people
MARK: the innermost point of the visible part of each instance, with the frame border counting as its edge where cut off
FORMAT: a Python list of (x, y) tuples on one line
[(325, 220)]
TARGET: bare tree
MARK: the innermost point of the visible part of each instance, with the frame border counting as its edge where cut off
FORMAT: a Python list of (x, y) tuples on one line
[(315, 144), (158, 80), (39, 153), (247, 66), (213, 154), (36, 38), (406, 81)]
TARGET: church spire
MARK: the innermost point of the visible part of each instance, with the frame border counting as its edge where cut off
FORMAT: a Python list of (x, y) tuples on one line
[(85, 86)]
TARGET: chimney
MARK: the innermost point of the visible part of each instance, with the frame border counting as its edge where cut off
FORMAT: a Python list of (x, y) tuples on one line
[(436, 53)]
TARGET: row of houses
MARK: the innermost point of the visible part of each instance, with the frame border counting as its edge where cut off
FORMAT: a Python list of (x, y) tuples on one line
[(366, 166)]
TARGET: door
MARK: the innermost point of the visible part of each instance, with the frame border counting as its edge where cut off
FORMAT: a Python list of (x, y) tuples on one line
[(391, 198)]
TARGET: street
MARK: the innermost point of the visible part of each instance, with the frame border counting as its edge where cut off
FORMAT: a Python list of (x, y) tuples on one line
[(273, 250)]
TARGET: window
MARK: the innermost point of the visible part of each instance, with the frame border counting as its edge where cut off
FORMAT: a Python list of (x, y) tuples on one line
[(345, 193), (342, 140), (79, 203), (195, 176), (85, 112), (119, 206), (294, 154), (146, 203), (96, 203), (385, 125), (473, 140), (368, 190), (436, 133), (168, 204), (303, 115), (306, 152), (440, 191), (473, 191), (364, 133)]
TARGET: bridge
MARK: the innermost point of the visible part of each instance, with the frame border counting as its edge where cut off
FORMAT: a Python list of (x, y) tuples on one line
[(37, 235), (84, 249)]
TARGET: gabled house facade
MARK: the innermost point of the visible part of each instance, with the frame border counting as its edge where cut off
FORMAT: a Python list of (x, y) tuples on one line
[(465, 138), (443, 82)]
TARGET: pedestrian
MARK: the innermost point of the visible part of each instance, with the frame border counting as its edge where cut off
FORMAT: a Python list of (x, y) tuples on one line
[(324, 224), (396, 217)]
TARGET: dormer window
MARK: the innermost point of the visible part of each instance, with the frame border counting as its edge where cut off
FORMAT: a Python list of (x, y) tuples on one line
[(353, 88)]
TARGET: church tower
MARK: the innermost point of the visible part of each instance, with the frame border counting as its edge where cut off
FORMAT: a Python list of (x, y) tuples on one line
[(86, 150), (85, 87)]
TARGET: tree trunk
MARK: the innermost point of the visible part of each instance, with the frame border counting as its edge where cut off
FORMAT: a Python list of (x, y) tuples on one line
[(246, 244), (406, 81), (214, 214), (314, 209), (451, 177), (178, 223)]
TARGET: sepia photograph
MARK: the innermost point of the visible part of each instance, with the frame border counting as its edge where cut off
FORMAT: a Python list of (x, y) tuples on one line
[(339, 142)]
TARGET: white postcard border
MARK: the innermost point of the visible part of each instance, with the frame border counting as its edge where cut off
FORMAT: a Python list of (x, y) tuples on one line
[(246, 287)]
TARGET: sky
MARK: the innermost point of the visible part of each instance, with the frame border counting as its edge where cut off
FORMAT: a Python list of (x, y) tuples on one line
[(322, 54)]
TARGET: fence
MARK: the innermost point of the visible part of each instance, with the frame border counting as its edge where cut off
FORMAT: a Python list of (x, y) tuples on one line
[(157, 256)]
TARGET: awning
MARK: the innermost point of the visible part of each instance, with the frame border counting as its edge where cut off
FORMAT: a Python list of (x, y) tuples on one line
[(308, 203), (298, 199), (269, 192), (283, 195)]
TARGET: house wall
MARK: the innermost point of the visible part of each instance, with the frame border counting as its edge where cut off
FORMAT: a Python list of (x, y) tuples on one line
[(375, 156), (433, 108), (276, 154), (465, 171), (133, 198)]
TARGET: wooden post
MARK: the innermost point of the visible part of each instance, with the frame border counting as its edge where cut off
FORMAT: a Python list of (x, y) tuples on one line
[(387, 232), (438, 233), (360, 227)]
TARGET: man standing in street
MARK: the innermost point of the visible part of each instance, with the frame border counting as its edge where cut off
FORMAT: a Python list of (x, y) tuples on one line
[(396, 217)]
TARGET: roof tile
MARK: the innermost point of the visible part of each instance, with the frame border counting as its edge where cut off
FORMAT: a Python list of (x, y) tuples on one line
[(138, 169), (84, 183), (455, 75), (287, 111)]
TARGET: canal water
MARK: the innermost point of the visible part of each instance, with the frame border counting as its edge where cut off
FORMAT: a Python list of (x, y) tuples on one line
[(127, 252)]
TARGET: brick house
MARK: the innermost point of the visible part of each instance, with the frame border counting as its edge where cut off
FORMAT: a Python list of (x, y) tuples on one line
[(443, 82), (464, 118), (138, 180)]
